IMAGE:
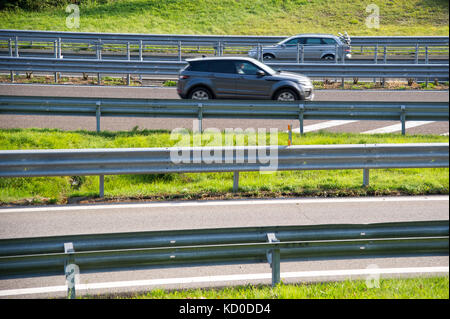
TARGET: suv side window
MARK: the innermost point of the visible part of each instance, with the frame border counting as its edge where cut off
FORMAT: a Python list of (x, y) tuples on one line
[(222, 67), (199, 66), (247, 68), (328, 41)]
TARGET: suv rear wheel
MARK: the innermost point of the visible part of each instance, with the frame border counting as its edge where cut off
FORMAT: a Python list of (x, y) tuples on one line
[(200, 93), (286, 95)]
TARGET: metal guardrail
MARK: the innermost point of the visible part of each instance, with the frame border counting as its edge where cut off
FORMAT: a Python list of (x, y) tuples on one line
[(273, 244), (94, 37), (315, 70), (301, 110), (121, 161)]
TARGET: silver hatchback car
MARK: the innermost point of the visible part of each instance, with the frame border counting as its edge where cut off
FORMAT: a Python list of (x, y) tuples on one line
[(315, 47), (240, 78)]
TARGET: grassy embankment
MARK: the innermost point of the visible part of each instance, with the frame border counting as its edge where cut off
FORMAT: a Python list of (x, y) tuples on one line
[(210, 185), (409, 288), (259, 17)]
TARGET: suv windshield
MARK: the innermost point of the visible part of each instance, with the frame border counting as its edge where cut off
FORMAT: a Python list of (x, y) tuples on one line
[(264, 67)]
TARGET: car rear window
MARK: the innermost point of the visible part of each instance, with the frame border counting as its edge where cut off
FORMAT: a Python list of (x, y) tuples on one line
[(222, 67), (313, 41), (199, 66)]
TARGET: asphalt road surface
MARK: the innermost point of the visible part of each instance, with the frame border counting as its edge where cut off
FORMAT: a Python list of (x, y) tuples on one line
[(115, 124), (65, 220)]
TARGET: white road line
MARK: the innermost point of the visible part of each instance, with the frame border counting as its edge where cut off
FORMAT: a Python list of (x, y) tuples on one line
[(323, 125), (225, 203), (397, 127), (170, 281)]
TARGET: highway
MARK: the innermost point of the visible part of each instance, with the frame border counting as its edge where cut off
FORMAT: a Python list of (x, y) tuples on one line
[(360, 59), (75, 123), (128, 217)]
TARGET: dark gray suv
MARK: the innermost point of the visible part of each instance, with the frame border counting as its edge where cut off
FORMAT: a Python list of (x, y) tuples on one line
[(240, 78)]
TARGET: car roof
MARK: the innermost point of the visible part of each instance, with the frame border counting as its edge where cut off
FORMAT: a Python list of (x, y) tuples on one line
[(315, 35), (322, 35), (220, 59)]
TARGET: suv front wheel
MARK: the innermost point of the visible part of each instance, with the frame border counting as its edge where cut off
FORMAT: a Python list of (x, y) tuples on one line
[(286, 95), (200, 93)]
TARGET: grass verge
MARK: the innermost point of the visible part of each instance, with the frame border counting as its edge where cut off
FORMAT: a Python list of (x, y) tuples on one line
[(407, 288), (69, 189), (259, 17)]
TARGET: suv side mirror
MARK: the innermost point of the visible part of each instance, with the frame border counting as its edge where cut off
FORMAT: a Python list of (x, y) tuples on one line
[(260, 73), (283, 46)]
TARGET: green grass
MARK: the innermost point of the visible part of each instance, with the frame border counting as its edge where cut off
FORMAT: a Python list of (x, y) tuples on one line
[(408, 288), (211, 185), (259, 17)]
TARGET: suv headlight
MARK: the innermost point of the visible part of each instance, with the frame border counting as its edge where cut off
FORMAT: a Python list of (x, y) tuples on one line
[(305, 82)]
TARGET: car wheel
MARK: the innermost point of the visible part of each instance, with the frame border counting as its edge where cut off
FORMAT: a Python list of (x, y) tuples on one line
[(286, 95), (328, 57), (200, 94), (268, 57)]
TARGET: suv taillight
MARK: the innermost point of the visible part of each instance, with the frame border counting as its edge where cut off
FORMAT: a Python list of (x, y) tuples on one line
[(184, 77)]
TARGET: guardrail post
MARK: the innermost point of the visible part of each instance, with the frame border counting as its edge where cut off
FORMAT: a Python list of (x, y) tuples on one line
[(11, 54), (10, 47), (375, 57), (298, 52), (99, 57), (179, 50), (365, 177), (70, 270), (426, 62), (273, 257), (55, 48), (417, 54), (141, 58), (128, 58), (336, 55), (261, 52), (403, 119), (302, 56), (59, 49), (200, 117), (375, 54), (290, 135), (16, 47), (384, 55), (99, 49), (101, 186), (301, 110), (235, 181), (98, 114)]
